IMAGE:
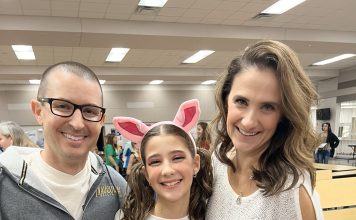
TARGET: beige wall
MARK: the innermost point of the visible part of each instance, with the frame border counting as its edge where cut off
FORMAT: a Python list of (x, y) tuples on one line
[(149, 104)]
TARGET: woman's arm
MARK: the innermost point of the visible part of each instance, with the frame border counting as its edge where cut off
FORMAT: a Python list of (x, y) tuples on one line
[(113, 162), (306, 205)]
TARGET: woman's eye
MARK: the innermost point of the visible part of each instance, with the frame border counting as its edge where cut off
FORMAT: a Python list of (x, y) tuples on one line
[(241, 102), (268, 107)]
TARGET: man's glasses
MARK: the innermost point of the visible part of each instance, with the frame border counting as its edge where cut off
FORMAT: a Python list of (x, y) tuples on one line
[(65, 108)]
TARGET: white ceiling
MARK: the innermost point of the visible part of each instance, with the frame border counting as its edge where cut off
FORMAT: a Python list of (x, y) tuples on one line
[(86, 30)]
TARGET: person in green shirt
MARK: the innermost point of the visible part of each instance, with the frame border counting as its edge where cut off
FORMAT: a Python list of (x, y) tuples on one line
[(110, 153)]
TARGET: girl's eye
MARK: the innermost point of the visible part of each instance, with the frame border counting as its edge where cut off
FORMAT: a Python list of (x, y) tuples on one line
[(154, 163), (178, 158)]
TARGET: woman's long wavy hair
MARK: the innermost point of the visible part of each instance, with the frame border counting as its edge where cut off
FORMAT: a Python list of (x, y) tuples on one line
[(292, 145), (140, 201)]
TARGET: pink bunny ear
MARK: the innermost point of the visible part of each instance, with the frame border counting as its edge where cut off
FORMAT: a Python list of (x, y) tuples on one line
[(130, 128), (188, 114)]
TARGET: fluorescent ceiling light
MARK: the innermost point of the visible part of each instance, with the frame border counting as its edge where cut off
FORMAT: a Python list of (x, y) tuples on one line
[(152, 3), (117, 54), (24, 52), (201, 54), (208, 82), (156, 82), (334, 59), (35, 81), (282, 6), (102, 81)]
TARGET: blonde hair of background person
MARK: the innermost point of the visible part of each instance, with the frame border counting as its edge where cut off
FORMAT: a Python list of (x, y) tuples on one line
[(265, 138), (12, 134)]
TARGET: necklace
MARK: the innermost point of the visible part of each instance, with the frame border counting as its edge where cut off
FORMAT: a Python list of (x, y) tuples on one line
[(239, 194)]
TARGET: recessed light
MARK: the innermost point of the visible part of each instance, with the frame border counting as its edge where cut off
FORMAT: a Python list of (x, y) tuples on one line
[(201, 54), (117, 54), (208, 82), (156, 82), (152, 3), (334, 59), (282, 6), (24, 52), (102, 81), (35, 81)]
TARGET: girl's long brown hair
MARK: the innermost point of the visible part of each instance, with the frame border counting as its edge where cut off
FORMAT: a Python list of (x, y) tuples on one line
[(140, 201)]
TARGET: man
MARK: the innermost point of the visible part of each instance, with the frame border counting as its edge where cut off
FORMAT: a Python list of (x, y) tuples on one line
[(64, 180)]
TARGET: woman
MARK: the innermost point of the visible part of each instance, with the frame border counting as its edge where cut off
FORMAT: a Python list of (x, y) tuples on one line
[(329, 142), (263, 166), (203, 136), (11, 134), (110, 153), (174, 179)]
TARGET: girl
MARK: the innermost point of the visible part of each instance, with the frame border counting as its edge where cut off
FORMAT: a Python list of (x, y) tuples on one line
[(173, 181)]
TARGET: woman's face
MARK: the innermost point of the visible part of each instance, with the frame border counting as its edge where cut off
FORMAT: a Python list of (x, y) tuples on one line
[(325, 127), (254, 110), (5, 141), (199, 130), (170, 168)]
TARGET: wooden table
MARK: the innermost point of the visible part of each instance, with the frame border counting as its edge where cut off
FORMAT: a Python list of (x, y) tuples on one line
[(341, 174), (333, 167), (353, 147)]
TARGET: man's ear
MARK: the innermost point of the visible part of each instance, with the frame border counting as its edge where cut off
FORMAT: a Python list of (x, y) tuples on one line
[(37, 110), (102, 122)]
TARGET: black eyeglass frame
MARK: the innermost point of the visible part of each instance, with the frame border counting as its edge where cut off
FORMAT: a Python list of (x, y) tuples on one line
[(80, 107)]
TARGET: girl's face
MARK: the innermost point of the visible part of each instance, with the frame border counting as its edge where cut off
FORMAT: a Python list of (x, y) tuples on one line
[(5, 141), (254, 110), (170, 168)]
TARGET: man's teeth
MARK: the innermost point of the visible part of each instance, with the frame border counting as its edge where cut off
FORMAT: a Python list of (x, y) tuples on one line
[(247, 133), (74, 138)]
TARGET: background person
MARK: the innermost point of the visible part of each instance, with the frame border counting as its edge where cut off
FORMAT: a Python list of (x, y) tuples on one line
[(174, 179), (329, 142), (264, 139), (203, 136), (110, 152), (11, 134), (64, 180)]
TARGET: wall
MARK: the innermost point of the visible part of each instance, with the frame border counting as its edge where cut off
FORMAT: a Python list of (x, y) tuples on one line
[(147, 103)]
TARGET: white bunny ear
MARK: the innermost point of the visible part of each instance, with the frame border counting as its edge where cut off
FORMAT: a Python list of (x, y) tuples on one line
[(188, 114), (130, 128)]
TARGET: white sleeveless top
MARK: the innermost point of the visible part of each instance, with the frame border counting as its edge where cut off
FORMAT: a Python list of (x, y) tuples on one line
[(223, 203)]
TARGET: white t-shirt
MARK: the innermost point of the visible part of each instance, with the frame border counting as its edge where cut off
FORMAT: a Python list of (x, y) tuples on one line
[(223, 202), (67, 189)]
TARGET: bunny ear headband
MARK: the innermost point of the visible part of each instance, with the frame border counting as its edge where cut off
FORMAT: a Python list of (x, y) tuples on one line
[(134, 129)]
